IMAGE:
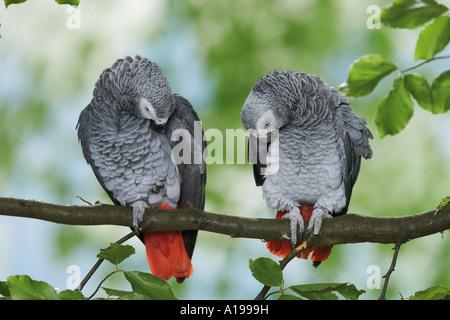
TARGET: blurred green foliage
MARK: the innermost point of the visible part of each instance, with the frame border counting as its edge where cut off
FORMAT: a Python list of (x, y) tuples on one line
[(241, 41)]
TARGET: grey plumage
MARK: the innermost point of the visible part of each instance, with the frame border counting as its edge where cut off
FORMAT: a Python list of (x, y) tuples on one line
[(126, 137), (320, 144)]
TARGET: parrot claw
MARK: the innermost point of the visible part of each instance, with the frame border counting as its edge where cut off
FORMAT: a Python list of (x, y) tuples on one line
[(138, 214), (315, 223), (296, 220)]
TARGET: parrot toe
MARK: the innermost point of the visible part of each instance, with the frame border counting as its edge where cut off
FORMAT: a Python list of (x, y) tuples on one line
[(138, 214), (315, 223), (297, 223)]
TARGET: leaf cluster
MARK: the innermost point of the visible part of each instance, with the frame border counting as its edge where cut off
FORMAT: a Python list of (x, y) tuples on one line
[(395, 111), (144, 286), (269, 273)]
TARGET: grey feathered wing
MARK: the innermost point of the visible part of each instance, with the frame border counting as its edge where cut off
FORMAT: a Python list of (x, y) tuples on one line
[(193, 175), (87, 116)]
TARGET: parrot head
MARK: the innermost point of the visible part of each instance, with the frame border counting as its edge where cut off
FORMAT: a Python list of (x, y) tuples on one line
[(286, 97), (141, 87), (259, 119), (266, 108), (143, 108)]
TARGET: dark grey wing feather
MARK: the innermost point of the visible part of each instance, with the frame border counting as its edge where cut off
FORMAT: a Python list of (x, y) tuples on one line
[(193, 175), (352, 166), (355, 138)]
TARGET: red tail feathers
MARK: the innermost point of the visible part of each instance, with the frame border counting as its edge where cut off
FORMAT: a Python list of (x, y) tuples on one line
[(283, 248), (166, 254)]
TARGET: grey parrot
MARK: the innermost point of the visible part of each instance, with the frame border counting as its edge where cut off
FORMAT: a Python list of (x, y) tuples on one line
[(128, 133), (313, 143)]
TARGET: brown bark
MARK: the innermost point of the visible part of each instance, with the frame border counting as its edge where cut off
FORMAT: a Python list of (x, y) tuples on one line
[(351, 228)]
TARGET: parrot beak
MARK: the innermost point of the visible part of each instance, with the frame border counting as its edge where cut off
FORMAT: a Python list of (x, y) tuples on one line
[(161, 121), (265, 135), (260, 135)]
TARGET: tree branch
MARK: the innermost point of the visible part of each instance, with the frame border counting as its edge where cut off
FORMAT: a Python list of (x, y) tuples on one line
[(350, 228)]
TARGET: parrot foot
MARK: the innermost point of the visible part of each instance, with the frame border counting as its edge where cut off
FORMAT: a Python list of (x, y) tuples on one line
[(315, 223), (138, 214), (296, 220)]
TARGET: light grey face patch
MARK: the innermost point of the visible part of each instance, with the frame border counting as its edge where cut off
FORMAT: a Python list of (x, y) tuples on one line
[(268, 121), (145, 109)]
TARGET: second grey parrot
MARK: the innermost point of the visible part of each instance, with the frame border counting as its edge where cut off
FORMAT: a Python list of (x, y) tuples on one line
[(128, 133), (317, 155)]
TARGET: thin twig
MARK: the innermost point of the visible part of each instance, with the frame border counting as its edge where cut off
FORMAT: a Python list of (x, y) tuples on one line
[(391, 269), (101, 282), (85, 201), (262, 294), (424, 62), (99, 262)]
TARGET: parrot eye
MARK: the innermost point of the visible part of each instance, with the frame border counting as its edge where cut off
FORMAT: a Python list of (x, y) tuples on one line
[(266, 124), (146, 109)]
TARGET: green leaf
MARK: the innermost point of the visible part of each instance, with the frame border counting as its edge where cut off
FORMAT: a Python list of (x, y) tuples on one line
[(147, 284), (411, 13), (71, 2), (289, 297), (134, 296), (441, 205), (440, 89), (349, 291), (433, 38), (22, 287), (420, 90), (116, 253), (395, 111), (4, 290), (8, 2), (365, 73), (115, 292), (432, 293), (266, 271), (71, 295), (326, 291)]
